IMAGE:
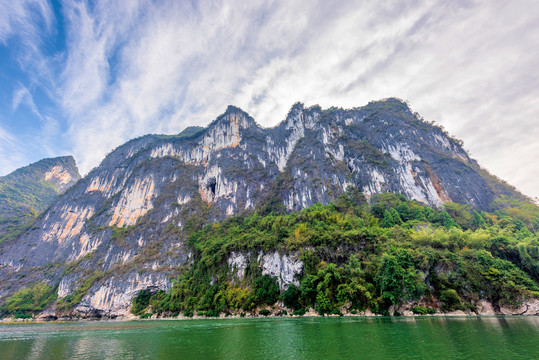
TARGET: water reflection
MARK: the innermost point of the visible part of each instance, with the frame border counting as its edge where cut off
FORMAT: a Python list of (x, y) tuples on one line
[(291, 338)]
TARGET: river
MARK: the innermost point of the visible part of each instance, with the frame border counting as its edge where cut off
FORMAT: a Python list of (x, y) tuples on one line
[(277, 338)]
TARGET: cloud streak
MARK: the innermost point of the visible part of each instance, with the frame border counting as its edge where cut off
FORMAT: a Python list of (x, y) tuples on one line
[(131, 68)]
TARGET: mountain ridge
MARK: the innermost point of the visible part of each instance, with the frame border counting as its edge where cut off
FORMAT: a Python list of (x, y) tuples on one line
[(133, 212), (29, 190)]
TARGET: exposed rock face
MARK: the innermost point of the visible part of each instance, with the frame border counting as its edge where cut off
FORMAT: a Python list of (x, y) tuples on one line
[(29, 190), (285, 267), (530, 307), (154, 186), (112, 298)]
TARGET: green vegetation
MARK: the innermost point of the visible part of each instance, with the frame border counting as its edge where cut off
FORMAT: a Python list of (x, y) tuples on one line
[(190, 131), (24, 194), (141, 302), (68, 302), (27, 302), (421, 310), (358, 256)]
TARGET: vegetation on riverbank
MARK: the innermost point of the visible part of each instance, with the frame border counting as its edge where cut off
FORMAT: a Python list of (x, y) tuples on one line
[(360, 256), (356, 257)]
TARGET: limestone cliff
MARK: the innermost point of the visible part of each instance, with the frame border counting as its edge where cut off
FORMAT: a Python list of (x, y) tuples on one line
[(123, 225), (28, 191)]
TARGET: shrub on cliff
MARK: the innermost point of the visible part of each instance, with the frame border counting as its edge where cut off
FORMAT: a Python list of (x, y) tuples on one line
[(30, 300), (141, 302), (266, 290)]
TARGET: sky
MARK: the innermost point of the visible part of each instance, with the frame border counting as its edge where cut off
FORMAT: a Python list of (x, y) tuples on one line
[(82, 77)]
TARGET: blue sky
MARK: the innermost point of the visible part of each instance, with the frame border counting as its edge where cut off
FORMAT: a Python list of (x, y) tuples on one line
[(81, 77)]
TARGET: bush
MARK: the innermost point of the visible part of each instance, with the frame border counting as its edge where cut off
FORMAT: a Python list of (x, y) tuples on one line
[(264, 312), (20, 315), (299, 312), (421, 310), (266, 290), (323, 304), (291, 297), (451, 300), (30, 301), (336, 311), (141, 302)]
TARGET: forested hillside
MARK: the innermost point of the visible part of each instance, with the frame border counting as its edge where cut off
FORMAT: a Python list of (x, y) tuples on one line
[(28, 191), (357, 257)]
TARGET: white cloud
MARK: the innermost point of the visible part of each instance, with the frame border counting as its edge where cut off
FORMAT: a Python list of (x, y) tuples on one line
[(10, 150), (25, 19), (23, 96), (136, 67)]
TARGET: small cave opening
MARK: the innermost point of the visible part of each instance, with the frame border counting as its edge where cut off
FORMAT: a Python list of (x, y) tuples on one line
[(212, 183)]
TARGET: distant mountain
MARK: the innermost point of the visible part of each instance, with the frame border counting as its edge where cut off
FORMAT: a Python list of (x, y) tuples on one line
[(28, 191), (124, 226)]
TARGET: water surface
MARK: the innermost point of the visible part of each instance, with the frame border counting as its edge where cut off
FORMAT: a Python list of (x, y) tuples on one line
[(277, 338)]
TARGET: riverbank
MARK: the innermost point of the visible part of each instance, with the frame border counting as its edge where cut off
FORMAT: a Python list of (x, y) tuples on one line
[(484, 309)]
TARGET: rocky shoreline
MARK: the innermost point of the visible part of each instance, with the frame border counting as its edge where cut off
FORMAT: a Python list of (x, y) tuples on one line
[(485, 309)]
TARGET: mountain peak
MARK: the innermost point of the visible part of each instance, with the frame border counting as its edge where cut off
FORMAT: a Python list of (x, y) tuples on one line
[(161, 186), (31, 189), (236, 117), (231, 109)]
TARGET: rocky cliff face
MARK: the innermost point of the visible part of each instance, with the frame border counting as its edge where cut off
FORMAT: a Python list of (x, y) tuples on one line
[(123, 224), (28, 191)]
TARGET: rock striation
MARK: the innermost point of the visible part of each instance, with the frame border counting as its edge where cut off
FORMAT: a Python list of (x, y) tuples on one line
[(123, 223)]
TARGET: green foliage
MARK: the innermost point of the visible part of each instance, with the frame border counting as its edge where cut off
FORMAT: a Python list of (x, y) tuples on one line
[(421, 310), (451, 300), (398, 277), (191, 131), (299, 312), (266, 290), (359, 256), (291, 297), (448, 221), (30, 300), (68, 302), (264, 312), (24, 194), (141, 302), (478, 221)]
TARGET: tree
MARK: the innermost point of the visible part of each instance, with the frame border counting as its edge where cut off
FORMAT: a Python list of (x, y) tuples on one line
[(447, 220), (266, 289)]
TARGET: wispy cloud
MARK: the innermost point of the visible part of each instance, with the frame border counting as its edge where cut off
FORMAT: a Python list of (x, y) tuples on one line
[(26, 19), (23, 96), (136, 67), (9, 147)]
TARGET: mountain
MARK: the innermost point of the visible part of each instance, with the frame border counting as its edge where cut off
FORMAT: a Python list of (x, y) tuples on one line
[(124, 227), (28, 191)]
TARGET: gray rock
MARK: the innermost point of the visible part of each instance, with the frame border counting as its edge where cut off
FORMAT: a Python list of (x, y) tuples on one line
[(155, 186)]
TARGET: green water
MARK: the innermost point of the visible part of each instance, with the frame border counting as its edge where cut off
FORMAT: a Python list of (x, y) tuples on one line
[(281, 338)]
